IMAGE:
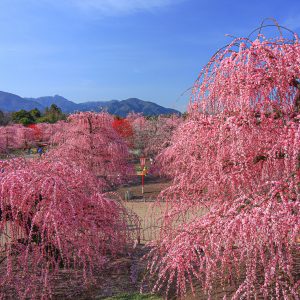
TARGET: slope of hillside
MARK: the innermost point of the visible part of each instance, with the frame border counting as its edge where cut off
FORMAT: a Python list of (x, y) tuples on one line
[(10, 102), (66, 105)]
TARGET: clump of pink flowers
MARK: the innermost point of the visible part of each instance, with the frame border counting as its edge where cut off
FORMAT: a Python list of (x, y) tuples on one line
[(54, 216), (232, 217)]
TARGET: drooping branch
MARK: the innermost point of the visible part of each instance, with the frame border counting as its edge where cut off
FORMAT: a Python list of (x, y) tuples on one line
[(232, 212)]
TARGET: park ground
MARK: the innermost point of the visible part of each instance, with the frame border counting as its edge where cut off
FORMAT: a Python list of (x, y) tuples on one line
[(124, 278)]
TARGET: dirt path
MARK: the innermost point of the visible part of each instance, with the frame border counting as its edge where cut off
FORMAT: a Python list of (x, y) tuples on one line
[(145, 206), (125, 274), (153, 186)]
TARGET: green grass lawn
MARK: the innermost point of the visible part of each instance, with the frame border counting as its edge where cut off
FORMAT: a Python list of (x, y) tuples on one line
[(134, 297)]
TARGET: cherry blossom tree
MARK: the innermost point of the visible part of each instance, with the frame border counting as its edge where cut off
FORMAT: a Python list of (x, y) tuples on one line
[(232, 217), (7, 138)]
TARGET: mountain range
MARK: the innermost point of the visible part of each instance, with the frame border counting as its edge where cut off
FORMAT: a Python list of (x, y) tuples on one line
[(11, 102)]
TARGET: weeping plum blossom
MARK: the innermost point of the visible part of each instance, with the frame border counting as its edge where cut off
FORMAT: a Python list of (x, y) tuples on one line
[(152, 135), (261, 75), (47, 131), (52, 217), (89, 140), (159, 132), (15, 137), (232, 217)]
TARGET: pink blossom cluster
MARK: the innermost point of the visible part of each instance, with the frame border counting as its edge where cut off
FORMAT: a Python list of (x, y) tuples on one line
[(152, 135), (15, 137), (232, 212), (89, 140), (260, 73), (159, 133), (53, 217), (47, 131)]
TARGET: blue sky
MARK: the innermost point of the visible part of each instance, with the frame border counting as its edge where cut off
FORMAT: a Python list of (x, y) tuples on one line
[(88, 50)]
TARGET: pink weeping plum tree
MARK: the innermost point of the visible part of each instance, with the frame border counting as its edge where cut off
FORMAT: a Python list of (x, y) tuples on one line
[(232, 223), (47, 131), (89, 140), (152, 135), (15, 137), (159, 132), (138, 124), (51, 218)]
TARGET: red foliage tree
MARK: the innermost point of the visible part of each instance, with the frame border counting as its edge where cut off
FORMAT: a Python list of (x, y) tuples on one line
[(232, 215), (124, 129), (37, 132)]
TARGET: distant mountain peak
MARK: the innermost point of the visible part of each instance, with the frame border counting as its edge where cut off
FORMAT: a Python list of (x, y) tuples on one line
[(11, 102)]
